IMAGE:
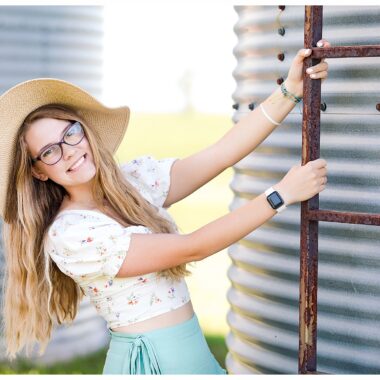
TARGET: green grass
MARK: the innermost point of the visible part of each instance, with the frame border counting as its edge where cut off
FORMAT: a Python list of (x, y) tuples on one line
[(93, 363), (175, 135)]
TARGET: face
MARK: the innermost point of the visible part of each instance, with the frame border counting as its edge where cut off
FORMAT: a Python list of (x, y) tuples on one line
[(48, 131)]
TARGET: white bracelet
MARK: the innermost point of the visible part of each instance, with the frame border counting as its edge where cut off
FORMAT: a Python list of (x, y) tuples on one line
[(267, 116)]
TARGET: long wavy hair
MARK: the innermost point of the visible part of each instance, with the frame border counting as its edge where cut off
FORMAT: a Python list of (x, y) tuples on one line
[(36, 293)]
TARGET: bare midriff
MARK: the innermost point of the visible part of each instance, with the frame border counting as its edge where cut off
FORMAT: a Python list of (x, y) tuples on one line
[(170, 318)]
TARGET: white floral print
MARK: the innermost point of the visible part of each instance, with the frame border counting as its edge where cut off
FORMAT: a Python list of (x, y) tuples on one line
[(90, 247), (150, 176)]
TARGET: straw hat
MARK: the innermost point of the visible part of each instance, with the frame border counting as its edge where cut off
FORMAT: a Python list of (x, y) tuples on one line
[(25, 97)]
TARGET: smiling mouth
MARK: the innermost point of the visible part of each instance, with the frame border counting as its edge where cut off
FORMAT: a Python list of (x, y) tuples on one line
[(83, 159)]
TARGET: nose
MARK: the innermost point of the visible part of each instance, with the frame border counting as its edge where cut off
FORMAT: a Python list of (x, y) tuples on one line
[(68, 151)]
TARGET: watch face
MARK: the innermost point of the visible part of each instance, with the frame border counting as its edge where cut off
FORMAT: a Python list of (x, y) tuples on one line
[(275, 200)]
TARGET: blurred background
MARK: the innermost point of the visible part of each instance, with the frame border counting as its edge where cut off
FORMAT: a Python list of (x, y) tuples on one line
[(181, 68), (172, 65)]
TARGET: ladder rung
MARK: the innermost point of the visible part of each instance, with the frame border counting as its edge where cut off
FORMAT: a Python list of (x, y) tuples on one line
[(344, 217), (346, 51)]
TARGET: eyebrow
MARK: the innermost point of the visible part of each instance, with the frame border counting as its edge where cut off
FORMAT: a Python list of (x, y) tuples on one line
[(62, 134)]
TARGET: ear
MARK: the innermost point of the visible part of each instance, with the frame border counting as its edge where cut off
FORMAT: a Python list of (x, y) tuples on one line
[(38, 175)]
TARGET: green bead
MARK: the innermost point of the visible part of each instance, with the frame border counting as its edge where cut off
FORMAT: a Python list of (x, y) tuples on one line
[(291, 96)]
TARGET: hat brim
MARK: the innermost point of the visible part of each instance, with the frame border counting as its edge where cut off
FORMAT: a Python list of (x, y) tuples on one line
[(19, 101)]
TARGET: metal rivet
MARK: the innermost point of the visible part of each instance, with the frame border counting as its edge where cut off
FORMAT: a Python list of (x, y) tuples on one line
[(281, 56), (251, 106), (323, 106), (282, 7), (236, 106), (281, 31), (378, 106), (280, 80)]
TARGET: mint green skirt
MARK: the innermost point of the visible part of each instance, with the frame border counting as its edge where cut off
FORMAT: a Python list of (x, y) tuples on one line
[(178, 349)]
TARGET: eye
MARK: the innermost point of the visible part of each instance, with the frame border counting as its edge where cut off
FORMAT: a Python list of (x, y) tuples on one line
[(73, 130), (46, 153), (51, 150)]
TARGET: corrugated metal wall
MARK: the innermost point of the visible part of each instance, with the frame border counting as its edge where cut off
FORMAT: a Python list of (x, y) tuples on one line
[(52, 41), (65, 42), (265, 271)]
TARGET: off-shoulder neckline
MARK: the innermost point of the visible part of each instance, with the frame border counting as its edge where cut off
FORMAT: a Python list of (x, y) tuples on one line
[(96, 212), (82, 210)]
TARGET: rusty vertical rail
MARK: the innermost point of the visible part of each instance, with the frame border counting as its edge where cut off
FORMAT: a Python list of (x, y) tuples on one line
[(309, 228), (310, 213)]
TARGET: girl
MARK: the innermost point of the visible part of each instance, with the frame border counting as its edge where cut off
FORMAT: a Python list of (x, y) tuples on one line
[(75, 223)]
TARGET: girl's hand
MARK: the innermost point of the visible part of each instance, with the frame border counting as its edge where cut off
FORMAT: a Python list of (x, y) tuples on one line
[(303, 182), (294, 81)]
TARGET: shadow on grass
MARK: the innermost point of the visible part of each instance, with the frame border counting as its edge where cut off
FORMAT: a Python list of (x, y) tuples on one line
[(93, 363)]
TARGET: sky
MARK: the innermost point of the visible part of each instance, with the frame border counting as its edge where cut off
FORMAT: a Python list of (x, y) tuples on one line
[(154, 51)]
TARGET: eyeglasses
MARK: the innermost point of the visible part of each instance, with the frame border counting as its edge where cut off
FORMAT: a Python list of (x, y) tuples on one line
[(53, 153)]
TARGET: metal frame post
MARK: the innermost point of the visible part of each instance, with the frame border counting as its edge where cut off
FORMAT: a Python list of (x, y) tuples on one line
[(310, 212)]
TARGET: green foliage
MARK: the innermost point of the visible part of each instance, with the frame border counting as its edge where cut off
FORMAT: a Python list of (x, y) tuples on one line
[(161, 135), (218, 347)]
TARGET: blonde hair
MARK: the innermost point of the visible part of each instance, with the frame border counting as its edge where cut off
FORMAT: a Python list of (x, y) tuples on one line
[(36, 293)]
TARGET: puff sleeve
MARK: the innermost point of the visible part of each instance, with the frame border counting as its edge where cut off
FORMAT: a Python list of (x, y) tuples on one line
[(86, 248), (150, 176)]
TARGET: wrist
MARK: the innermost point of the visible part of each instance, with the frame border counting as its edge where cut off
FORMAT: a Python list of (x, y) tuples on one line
[(294, 88), (284, 195), (275, 199)]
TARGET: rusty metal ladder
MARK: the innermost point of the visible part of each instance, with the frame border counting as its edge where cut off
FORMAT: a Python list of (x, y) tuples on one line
[(310, 212)]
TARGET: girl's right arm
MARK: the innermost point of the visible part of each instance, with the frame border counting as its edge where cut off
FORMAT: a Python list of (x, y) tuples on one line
[(154, 252)]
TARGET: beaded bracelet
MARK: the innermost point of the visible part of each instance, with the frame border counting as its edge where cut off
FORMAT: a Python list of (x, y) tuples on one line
[(294, 98)]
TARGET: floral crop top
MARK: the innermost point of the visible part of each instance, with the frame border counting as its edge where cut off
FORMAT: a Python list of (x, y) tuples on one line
[(90, 247)]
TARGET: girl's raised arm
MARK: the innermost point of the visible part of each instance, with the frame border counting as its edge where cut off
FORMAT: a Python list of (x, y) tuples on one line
[(190, 173), (153, 252)]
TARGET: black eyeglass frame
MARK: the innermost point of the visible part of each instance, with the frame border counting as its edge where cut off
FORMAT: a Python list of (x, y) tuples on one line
[(38, 158)]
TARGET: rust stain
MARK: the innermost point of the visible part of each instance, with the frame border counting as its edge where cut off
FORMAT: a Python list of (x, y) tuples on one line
[(344, 217), (309, 228), (310, 212), (347, 51)]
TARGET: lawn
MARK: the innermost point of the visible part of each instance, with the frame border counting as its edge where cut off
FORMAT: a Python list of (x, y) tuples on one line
[(176, 135)]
